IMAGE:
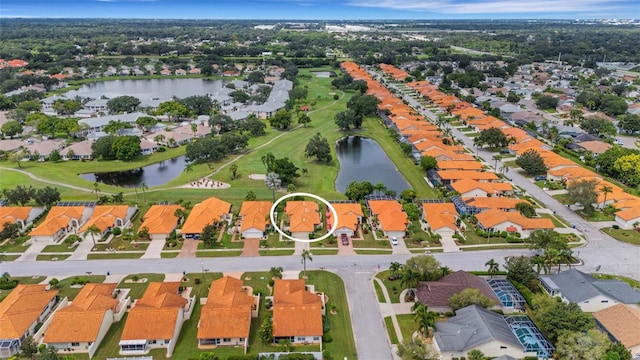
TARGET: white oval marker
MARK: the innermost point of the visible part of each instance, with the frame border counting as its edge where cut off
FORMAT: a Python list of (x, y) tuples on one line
[(329, 206)]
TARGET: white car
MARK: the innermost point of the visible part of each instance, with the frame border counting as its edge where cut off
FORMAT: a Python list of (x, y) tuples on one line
[(394, 240)]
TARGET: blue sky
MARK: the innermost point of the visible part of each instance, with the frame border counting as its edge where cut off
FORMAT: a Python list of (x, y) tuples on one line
[(323, 9)]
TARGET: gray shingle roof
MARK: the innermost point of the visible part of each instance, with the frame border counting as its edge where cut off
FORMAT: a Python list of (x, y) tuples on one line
[(577, 286), (471, 327)]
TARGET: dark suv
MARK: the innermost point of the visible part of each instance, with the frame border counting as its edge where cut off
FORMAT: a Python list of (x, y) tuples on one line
[(345, 239)]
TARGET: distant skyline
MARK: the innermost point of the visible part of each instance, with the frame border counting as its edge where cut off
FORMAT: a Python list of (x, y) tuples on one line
[(322, 9)]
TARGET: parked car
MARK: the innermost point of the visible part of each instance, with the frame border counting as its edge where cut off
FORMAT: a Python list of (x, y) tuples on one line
[(394, 240), (345, 239), (540, 178)]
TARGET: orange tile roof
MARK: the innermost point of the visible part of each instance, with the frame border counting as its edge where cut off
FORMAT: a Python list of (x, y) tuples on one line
[(296, 311), (390, 214), (160, 219), (104, 216), (459, 165), (348, 214), (81, 320), (621, 321), (596, 146), (493, 217), (467, 174), (449, 153), (629, 214), (469, 113), (12, 213), (205, 213), (466, 185), (228, 291), (255, 215), (494, 202), (573, 173), (155, 314), (21, 308), (58, 218), (440, 215), (303, 215), (227, 313)]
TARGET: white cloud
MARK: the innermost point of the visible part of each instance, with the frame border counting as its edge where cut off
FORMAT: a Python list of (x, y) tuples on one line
[(488, 7)]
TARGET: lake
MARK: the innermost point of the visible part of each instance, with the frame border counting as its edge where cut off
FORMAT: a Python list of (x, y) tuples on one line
[(364, 159), (153, 175), (148, 89)]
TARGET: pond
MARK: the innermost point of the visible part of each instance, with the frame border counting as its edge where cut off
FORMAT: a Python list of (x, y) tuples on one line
[(153, 175), (148, 89), (364, 159)]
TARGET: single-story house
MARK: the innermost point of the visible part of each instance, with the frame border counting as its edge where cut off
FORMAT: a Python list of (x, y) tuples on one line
[(21, 215), (473, 188), (447, 177), (349, 217), (60, 221), (207, 212), (495, 220), (78, 151), (297, 312), (255, 219), (436, 294), (304, 218), (622, 324), (440, 217), (160, 221), (106, 217), (393, 221), (20, 313)]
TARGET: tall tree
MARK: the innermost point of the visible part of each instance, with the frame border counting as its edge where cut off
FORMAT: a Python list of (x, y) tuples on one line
[(306, 255), (92, 230), (233, 168), (531, 162), (144, 187), (272, 181), (492, 267), (584, 193), (318, 147), (188, 169), (606, 190)]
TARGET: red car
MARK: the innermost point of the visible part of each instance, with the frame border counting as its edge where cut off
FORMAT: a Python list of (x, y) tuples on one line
[(345, 239)]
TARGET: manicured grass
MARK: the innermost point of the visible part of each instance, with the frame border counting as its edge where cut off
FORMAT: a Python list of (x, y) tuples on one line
[(497, 247), (423, 251), (65, 288), (137, 289), (273, 241), (226, 243), (549, 185), (115, 255), (16, 247), (324, 251), (407, 325), (276, 252), (373, 252), (391, 331), (218, 253), (343, 344), (632, 282), (370, 242), (629, 236), (177, 247), (379, 292), (9, 257), (393, 287), (168, 255), (557, 221), (109, 346), (597, 216), (258, 280), (118, 243), (59, 248), (52, 257)]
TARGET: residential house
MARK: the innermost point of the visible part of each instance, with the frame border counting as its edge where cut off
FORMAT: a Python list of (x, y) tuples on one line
[(628, 218), (440, 217), (207, 212), (622, 324), (350, 216), (21, 215), (156, 319), (393, 221), (459, 165), (589, 293), (436, 294), (98, 123), (226, 317), (60, 221), (495, 202), (297, 312), (304, 218), (473, 188), (160, 221), (148, 147), (476, 328), (596, 147), (78, 151), (21, 312), (82, 324), (255, 220), (495, 220), (447, 177), (106, 217)]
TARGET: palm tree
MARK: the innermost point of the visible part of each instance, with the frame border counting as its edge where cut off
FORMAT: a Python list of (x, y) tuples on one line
[(272, 180), (306, 255), (188, 168), (606, 189), (538, 261), (93, 230), (276, 272), (143, 186), (118, 198), (410, 278), (458, 142), (379, 188), (267, 160), (96, 188), (234, 170), (194, 129), (493, 267), (395, 268), (445, 270), (423, 317)]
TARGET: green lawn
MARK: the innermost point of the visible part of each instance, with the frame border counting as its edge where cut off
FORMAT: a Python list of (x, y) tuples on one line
[(549, 185), (59, 248), (379, 293), (16, 247), (168, 255), (407, 325), (276, 252), (557, 221), (258, 280), (630, 236), (218, 253), (66, 289), (393, 287), (138, 288), (597, 216), (391, 330), (324, 251), (114, 255), (51, 257), (9, 257), (273, 241), (118, 243), (370, 242), (373, 252), (226, 243)]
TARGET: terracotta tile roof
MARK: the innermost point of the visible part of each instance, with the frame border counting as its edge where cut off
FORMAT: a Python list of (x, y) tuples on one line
[(255, 215), (296, 311), (467, 174), (466, 185), (629, 214), (155, 314), (449, 153), (12, 213), (415, 136), (596, 146), (348, 214), (58, 218), (95, 297), (160, 219), (440, 215), (227, 313), (573, 172), (493, 217), (621, 321), (494, 202), (459, 165), (205, 213), (21, 308), (437, 293), (303, 215), (104, 216), (628, 203), (390, 214), (469, 113)]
